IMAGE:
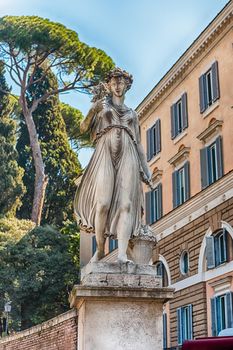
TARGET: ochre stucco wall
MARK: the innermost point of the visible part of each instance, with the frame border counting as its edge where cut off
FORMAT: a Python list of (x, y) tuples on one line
[(223, 53)]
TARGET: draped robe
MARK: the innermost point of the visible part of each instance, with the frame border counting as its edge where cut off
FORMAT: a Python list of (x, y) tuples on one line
[(113, 173)]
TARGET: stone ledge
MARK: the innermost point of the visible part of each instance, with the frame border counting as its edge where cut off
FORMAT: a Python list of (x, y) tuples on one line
[(117, 268), (79, 293), (121, 280)]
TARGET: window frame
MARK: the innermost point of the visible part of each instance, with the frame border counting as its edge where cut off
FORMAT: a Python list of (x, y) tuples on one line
[(209, 91), (179, 116), (154, 204), (182, 263), (153, 140), (212, 162), (208, 162), (184, 323), (221, 315), (112, 244), (182, 173), (214, 245)]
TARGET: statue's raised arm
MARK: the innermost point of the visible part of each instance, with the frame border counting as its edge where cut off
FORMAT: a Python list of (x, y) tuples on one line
[(109, 200)]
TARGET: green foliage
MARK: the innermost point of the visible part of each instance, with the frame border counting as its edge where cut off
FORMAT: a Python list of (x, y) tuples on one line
[(11, 185), (12, 230), (72, 118), (71, 230), (38, 39), (61, 162), (37, 272), (27, 44)]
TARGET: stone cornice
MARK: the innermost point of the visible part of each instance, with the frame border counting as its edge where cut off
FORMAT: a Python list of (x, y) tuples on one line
[(196, 206), (157, 175), (219, 23), (180, 156), (219, 282), (209, 132)]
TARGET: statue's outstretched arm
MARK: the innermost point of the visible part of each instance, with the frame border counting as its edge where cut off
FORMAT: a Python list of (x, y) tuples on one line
[(87, 122)]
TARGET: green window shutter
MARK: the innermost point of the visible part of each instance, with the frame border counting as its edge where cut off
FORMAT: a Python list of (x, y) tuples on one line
[(152, 207), (210, 252), (204, 167), (219, 157), (160, 201), (184, 110), (213, 317), (158, 136), (164, 331), (216, 251), (225, 245), (190, 313), (215, 81), (179, 326), (174, 127), (229, 299), (202, 93), (148, 142), (148, 207), (175, 189), (94, 246), (187, 180)]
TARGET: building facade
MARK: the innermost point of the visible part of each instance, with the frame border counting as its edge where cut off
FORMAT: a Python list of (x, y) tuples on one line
[(187, 129)]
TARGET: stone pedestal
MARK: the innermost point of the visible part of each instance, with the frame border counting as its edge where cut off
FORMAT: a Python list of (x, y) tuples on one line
[(120, 307)]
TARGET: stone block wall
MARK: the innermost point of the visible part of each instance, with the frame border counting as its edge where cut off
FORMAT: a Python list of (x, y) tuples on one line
[(190, 238), (59, 333)]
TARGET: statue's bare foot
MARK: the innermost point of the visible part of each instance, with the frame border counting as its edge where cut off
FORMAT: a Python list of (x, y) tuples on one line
[(97, 256), (124, 260)]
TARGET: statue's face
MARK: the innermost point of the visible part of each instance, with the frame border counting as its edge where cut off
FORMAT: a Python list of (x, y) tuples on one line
[(117, 86)]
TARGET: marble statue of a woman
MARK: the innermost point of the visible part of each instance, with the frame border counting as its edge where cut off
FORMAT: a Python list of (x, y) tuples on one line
[(109, 200)]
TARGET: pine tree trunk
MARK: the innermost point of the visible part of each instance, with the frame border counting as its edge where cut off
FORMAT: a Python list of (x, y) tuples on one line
[(41, 179)]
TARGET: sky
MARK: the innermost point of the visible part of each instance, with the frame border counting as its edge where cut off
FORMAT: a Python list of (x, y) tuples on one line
[(144, 37)]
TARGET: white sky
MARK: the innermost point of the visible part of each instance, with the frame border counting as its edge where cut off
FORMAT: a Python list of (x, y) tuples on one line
[(144, 37)]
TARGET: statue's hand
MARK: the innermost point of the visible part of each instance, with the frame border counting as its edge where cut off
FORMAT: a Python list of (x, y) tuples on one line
[(98, 106)]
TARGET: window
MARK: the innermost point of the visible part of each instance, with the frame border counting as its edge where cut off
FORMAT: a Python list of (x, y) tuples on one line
[(221, 312), (153, 137), (216, 249), (179, 116), (209, 87), (113, 244), (181, 185), (184, 323), (211, 163), (161, 271), (184, 263), (164, 330), (94, 246), (154, 205)]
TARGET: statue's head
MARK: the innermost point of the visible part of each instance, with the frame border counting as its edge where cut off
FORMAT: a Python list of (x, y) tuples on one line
[(119, 81)]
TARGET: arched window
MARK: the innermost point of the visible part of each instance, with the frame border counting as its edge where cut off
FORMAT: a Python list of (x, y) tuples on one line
[(184, 262), (161, 271), (217, 248)]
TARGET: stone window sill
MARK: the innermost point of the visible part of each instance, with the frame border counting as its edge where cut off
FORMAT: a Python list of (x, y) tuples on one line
[(180, 137), (210, 109), (154, 159)]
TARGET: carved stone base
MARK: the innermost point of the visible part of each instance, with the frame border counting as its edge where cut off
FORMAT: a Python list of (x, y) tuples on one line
[(141, 246), (120, 307)]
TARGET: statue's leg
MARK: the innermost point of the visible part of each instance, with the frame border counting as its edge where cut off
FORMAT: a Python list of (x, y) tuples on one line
[(104, 196), (124, 229), (100, 228)]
